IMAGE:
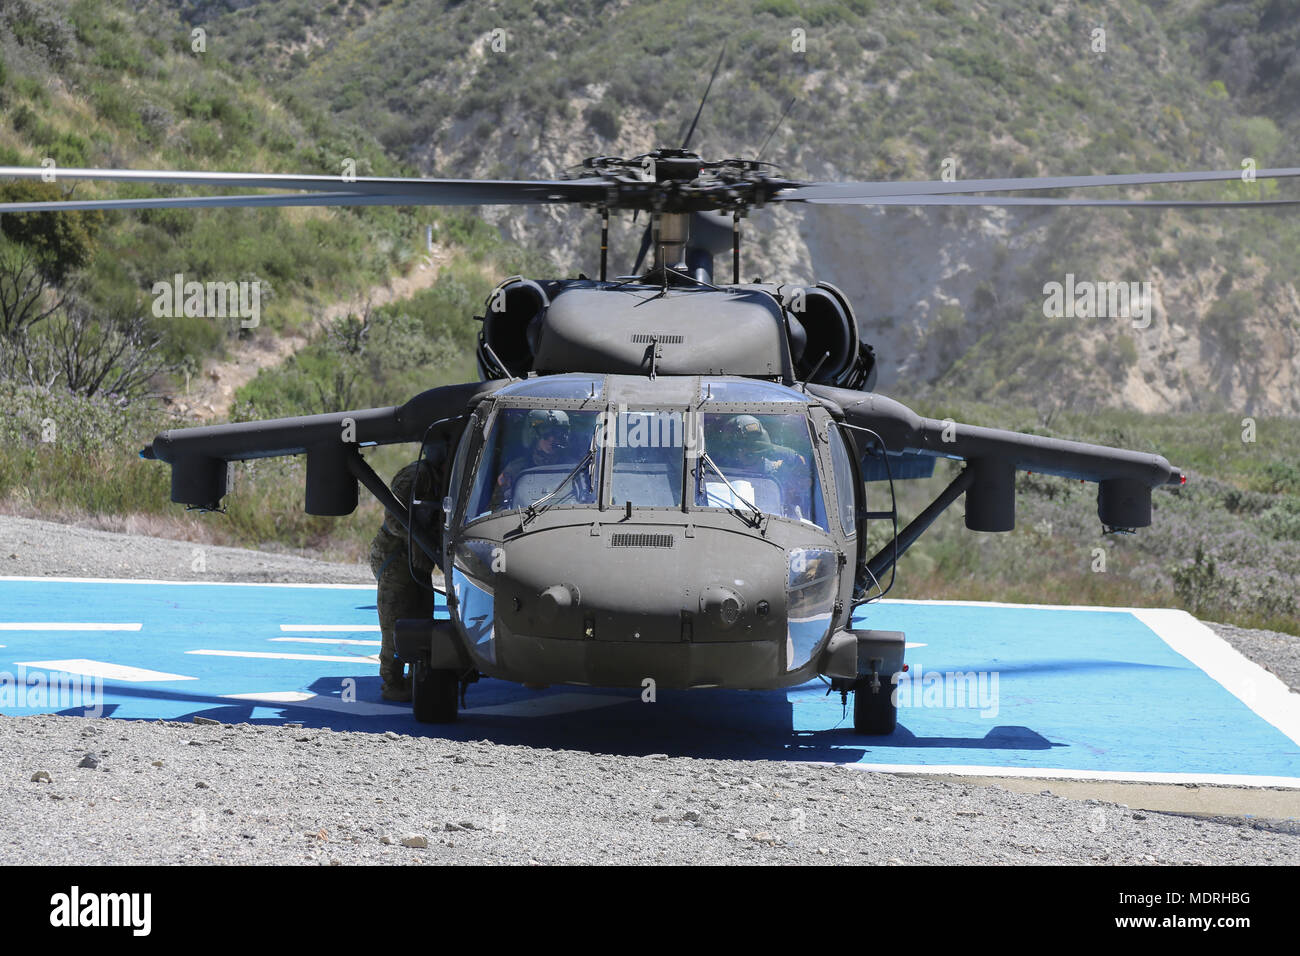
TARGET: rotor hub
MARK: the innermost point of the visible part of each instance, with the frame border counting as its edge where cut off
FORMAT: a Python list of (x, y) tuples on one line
[(669, 180)]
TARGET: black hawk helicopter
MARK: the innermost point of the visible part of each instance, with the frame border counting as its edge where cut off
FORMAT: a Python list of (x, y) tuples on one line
[(702, 519)]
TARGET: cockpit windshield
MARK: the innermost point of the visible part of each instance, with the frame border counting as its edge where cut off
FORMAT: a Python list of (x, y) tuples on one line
[(546, 457), (648, 448), (763, 461), (531, 454)]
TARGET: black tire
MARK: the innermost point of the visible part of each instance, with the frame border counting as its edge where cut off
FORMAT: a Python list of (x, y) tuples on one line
[(874, 714), (435, 697)]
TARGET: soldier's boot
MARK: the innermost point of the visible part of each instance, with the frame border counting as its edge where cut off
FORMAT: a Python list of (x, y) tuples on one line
[(396, 686), (398, 692)]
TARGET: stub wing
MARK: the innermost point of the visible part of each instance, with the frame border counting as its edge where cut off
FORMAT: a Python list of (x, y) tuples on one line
[(199, 457), (1124, 478)]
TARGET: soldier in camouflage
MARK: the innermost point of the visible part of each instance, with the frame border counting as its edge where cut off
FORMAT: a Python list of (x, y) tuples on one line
[(742, 442), (401, 595)]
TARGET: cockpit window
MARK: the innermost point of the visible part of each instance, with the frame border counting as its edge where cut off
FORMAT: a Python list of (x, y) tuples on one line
[(649, 449), (532, 453), (712, 390), (845, 492), (557, 386), (761, 460)]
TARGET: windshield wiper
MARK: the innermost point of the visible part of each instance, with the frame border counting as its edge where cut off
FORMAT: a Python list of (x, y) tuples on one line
[(758, 515), (536, 508)]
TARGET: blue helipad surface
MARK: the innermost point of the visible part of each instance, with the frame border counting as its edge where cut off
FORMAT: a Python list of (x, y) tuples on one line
[(991, 688)]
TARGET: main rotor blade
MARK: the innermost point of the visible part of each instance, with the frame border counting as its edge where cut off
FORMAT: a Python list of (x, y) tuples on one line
[(216, 202), (443, 192), (853, 192), (1052, 201), (703, 99)]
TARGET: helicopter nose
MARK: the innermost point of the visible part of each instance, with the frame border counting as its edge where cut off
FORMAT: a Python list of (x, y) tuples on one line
[(643, 587)]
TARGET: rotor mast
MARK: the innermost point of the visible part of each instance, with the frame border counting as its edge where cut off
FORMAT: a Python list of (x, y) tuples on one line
[(672, 234)]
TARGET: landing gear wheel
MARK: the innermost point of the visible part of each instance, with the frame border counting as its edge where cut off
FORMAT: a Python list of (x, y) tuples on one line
[(874, 714), (434, 695)]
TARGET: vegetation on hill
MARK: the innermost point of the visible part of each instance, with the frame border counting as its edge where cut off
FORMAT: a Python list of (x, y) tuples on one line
[(884, 90), (890, 91), (1226, 546), (90, 83)]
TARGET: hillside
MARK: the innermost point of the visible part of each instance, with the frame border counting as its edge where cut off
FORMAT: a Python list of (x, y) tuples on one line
[(120, 84), (952, 299), (87, 83)]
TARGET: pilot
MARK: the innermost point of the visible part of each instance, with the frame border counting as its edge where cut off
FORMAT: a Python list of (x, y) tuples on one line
[(546, 436), (743, 443), (404, 579)]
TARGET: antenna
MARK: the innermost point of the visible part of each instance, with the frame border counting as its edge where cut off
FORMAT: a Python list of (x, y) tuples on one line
[(604, 241), (500, 364), (772, 132), (816, 368), (735, 247), (716, 66)]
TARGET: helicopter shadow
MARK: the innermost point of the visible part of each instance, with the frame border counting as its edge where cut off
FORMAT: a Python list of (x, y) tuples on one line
[(1002, 738), (331, 712), (702, 724)]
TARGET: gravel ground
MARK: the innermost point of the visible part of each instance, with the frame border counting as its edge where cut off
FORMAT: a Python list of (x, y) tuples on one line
[(33, 548), (1277, 653), (185, 793), (101, 791)]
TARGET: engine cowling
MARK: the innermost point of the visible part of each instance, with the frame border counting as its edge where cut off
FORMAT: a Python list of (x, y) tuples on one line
[(824, 340), (510, 326)]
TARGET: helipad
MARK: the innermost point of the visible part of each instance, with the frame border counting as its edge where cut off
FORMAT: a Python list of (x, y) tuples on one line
[(992, 690)]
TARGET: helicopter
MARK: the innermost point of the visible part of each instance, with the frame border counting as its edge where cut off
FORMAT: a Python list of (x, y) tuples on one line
[(703, 522)]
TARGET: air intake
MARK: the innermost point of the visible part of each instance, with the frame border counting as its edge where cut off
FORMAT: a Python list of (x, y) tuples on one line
[(663, 338), (628, 540)]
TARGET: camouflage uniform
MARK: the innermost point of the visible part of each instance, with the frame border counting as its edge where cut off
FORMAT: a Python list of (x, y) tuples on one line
[(745, 445), (398, 594), (753, 450)]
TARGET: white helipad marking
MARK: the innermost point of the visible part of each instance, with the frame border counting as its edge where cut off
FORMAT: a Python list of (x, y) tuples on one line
[(1034, 607), (1262, 692), (64, 626), (552, 704), (327, 640), (328, 628), (316, 702), (1135, 776), (199, 584), (105, 670), (267, 655)]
